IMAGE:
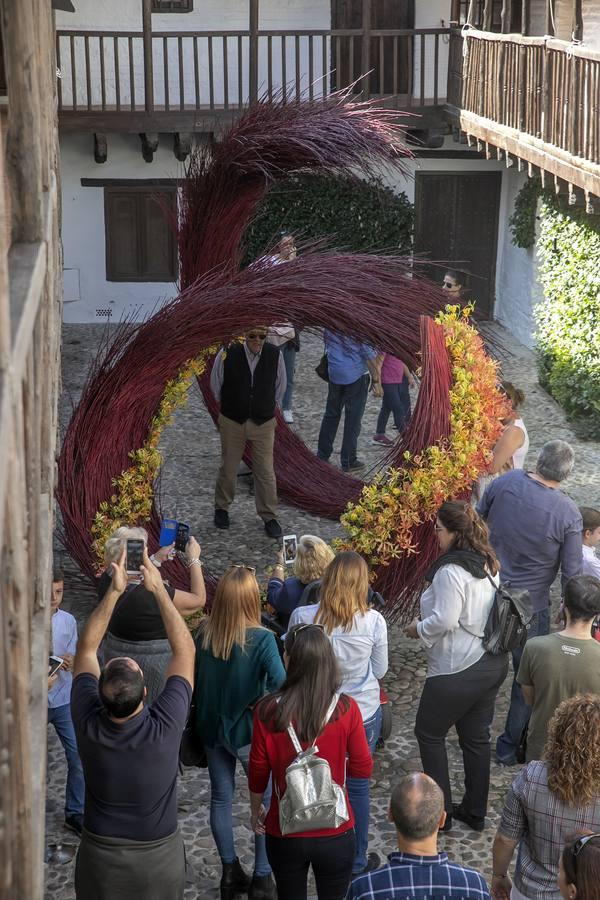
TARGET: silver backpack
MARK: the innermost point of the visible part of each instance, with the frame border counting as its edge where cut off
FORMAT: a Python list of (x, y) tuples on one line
[(312, 800)]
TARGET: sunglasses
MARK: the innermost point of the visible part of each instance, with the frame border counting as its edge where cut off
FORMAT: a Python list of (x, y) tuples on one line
[(448, 284), (247, 568), (254, 335), (580, 844)]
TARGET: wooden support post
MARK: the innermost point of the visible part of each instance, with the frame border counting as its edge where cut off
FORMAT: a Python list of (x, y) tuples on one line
[(253, 51), (23, 147), (149, 145), (366, 48), (100, 148), (577, 24), (487, 15), (506, 16), (525, 17), (182, 144), (550, 17), (148, 61), (572, 196)]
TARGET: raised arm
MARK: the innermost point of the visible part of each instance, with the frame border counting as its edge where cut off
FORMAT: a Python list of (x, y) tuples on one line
[(86, 657), (182, 645), (191, 601)]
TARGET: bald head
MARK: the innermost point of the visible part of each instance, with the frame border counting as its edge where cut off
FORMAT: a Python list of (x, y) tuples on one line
[(416, 806)]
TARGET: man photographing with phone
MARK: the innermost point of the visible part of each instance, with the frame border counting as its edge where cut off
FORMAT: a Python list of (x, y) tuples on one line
[(131, 844)]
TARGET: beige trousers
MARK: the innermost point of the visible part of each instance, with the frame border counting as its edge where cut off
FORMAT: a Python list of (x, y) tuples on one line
[(233, 441)]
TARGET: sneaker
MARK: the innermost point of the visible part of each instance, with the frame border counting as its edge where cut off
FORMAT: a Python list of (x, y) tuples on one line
[(288, 416), (355, 466), (475, 823), (74, 824), (373, 862), (221, 518), (273, 528), (382, 439)]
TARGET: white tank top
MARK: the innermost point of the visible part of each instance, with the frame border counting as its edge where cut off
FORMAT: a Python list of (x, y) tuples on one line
[(520, 454)]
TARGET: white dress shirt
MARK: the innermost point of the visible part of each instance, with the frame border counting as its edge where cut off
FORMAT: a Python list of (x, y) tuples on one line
[(216, 376)]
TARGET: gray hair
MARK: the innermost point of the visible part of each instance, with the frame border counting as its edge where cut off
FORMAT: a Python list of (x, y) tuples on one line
[(556, 460), (416, 806), (116, 542)]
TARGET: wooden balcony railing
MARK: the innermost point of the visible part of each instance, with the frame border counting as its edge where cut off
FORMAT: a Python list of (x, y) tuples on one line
[(123, 74), (536, 97)]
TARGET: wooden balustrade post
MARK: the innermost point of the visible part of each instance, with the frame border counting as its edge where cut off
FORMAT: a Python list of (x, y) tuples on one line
[(148, 61), (366, 48), (550, 17), (506, 16), (525, 17), (253, 52)]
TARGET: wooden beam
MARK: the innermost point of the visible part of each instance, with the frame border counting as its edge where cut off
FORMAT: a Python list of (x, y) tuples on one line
[(100, 147), (148, 61), (23, 148), (5, 339), (149, 145), (182, 145), (365, 60), (253, 24)]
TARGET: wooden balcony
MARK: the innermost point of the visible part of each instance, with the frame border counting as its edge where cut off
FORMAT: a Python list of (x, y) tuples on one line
[(534, 98), (190, 81)]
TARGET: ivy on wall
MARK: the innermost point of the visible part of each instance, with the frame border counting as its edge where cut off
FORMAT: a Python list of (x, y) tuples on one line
[(522, 222), (355, 215), (568, 320)]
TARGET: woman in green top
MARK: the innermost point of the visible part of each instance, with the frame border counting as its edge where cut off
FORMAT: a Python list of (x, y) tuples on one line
[(237, 663)]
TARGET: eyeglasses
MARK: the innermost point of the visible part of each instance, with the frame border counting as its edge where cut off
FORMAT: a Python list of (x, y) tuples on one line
[(580, 844), (254, 335), (247, 568)]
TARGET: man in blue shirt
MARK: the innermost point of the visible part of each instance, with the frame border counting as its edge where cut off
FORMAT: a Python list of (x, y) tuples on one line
[(418, 870), (64, 644), (535, 530), (349, 364)]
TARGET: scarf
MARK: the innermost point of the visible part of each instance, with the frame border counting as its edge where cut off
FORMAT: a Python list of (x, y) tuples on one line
[(470, 560)]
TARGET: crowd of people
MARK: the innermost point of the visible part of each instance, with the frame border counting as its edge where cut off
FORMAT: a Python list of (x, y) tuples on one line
[(291, 688)]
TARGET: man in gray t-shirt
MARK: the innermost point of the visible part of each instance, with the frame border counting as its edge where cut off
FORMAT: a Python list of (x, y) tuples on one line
[(559, 666), (535, 530)]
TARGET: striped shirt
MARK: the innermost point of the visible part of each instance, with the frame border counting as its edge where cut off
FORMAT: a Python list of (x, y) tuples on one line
[(408, 876), (536, 818)]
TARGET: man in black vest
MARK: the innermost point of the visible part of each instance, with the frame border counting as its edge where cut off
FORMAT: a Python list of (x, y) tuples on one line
[(248, 380)]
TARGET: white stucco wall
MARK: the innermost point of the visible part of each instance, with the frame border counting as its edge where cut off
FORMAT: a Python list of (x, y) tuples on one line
[(86, 287), (517, 286)]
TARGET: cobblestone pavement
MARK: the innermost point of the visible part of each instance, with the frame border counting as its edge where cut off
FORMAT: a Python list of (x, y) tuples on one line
[(191, 452)]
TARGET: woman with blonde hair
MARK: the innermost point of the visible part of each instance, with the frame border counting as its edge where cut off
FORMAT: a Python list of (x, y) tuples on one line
[(358, 635), (548, 802), (136, 628), (285, 594), (237, 662)]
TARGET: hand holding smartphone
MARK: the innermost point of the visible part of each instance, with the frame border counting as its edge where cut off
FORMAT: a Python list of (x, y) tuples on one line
[(54, 664), (290, 548), (135, 556)]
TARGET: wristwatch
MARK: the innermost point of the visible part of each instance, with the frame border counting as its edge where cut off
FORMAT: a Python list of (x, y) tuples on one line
[(155, 561), (193, 562)]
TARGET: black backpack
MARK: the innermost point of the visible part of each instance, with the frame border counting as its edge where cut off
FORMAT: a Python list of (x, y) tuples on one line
[(506, 626)]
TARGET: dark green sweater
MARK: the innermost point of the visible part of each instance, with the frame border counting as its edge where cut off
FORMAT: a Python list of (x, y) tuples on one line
[(226, 689)]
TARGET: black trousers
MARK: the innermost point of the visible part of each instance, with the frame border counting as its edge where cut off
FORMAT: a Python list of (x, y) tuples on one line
[(330, 857), (465, 700)]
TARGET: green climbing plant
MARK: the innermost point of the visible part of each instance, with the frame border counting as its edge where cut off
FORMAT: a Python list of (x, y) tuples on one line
[(522, 222), (353, 214), (568, 319)]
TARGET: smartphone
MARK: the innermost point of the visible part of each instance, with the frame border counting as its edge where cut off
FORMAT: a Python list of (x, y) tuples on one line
[(168, 532), (290, 548), (182, 537), (135, 556), (54, 664)]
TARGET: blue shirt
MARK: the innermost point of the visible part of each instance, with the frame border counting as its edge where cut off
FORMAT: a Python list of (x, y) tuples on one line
[(284, 596), (535, 530), (346, 358), (64, 640), (407, 876)]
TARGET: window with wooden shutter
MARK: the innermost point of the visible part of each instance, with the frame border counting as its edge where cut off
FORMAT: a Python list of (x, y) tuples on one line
[(140, 244), (172, 6)]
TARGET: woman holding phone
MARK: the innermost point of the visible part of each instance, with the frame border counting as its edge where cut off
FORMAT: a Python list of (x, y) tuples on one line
[(136, 628)]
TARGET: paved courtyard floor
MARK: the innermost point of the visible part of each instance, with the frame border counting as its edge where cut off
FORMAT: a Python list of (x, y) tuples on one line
[(191, 455)]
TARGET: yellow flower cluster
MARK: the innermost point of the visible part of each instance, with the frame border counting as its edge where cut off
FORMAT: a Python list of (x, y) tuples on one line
[(381, 525), (131, 501)]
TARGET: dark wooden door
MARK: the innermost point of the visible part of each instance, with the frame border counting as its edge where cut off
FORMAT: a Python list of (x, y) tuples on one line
[(347, 51), (456, 224)]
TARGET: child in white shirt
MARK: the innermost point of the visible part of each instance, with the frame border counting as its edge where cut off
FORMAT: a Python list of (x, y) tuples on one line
[(591, 539)]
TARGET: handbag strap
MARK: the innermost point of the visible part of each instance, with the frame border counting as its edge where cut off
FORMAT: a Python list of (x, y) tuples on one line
[(294, 737)]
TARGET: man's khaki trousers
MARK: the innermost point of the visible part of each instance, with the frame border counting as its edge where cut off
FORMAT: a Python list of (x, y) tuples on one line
[(233, 441)]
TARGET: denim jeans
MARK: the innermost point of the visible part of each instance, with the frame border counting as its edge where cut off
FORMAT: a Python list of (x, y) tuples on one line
[(60, 718), (288, 351), (221, 769), (519, 712), (396, 400), (358, 795), (351, 398)]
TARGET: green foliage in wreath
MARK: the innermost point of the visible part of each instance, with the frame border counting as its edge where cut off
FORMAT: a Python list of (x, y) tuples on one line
[(350, 214), (568, 320), (522, 221)]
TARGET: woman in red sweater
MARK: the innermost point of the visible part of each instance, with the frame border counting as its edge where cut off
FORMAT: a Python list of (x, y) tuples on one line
[(312, 681)]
